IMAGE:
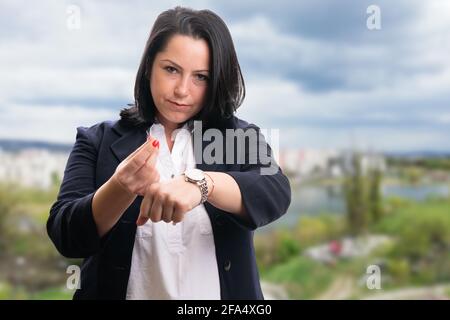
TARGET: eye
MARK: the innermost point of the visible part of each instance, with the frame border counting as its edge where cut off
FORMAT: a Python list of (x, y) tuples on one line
[(170, 69), (202, 77)]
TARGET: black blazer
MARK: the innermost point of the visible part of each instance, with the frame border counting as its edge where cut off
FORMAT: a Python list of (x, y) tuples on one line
[(97, 152)]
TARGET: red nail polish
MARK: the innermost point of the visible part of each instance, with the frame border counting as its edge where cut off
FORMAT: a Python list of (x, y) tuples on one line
[(155, 144)]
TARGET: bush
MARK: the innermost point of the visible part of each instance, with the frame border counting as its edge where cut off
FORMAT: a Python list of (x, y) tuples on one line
[(5, 291), (274, 248), (315, 230), (287, 246), (422, 232), (421, 229), (399, 270), (393, 204), (412, 174), (302, 277)]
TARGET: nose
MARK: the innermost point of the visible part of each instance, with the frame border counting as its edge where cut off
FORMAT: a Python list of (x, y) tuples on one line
[(181, 89)]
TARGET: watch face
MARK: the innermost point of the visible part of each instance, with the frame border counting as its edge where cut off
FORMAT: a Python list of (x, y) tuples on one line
[(195, 174)]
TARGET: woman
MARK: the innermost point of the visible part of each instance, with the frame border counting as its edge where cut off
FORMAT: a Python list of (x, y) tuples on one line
[(152, 217)]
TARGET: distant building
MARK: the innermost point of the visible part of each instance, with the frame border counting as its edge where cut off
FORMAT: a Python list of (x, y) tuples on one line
[(37, 167), (369, 161), (325, 162), (32, 167)]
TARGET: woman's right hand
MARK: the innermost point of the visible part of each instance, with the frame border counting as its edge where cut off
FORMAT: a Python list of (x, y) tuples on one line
[(138, 170)]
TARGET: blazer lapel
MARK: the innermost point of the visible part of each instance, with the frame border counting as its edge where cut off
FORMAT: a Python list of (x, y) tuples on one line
[(131, 139), (128, 141)]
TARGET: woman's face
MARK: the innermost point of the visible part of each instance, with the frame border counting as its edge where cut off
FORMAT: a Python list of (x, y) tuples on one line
[(179, 79)]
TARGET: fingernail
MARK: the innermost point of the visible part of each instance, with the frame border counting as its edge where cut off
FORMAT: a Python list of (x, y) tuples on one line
[(155, 144)]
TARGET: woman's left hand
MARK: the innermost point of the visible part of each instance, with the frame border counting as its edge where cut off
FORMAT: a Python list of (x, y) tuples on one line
[(168, 201)]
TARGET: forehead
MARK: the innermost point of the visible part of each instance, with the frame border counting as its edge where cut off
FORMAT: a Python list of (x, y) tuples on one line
[(189, 53)]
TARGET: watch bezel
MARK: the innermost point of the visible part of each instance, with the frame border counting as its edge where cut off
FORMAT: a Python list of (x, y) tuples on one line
[(195, 174)]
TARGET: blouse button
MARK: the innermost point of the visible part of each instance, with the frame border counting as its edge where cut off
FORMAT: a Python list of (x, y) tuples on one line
[(227, 265), (172, 175)]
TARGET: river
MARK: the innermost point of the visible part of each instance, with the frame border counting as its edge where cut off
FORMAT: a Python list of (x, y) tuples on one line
[(315, 199)]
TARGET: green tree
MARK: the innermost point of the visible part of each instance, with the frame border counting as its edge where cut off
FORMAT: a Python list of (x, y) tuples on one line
[(375, 197), (356, 197)]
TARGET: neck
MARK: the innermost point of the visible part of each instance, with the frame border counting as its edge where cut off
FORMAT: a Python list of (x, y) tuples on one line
[(169, 128)]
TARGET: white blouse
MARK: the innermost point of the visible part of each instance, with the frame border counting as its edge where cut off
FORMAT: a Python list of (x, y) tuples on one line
[(175, 261)]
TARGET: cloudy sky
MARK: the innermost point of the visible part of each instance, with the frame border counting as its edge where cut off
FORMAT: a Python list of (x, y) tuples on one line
[(313, 69)]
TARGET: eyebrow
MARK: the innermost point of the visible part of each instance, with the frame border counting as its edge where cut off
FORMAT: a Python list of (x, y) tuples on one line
[(177, 65)]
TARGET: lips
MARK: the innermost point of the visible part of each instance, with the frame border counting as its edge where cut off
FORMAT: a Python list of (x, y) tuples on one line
[(178, 104)]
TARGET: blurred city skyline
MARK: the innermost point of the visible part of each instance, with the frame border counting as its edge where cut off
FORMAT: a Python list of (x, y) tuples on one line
[(313, 70)]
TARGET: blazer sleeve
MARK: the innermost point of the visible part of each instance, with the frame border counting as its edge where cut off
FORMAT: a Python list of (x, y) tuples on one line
[(266, 197), (71, 224)]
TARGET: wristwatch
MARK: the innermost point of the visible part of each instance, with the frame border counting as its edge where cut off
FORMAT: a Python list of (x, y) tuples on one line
[(198, 177)]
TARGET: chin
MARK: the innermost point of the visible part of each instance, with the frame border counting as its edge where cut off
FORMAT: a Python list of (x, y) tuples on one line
[(176, 117)]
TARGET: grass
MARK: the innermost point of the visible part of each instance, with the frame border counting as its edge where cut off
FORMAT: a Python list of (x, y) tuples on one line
[(19, 293), (53, 294), (447, 292), (418, 256), (36, 203), (302, 277)]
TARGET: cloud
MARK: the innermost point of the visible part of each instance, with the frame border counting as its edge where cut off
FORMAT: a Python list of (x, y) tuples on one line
[(312, 69), (43, 123), (366, 138), (36, 83), (378, 58), (407, 116), (327, 20)]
